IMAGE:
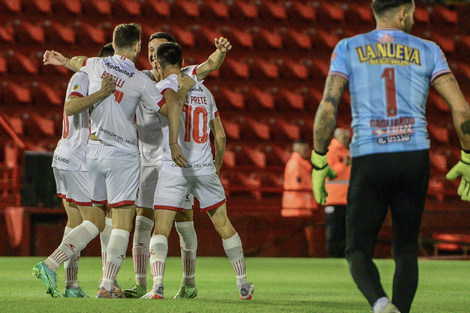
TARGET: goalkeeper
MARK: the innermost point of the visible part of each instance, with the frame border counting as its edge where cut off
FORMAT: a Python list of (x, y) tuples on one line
[(390, 146)]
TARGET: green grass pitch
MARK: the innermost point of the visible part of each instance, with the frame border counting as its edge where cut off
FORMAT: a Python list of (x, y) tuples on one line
[(282, 285)]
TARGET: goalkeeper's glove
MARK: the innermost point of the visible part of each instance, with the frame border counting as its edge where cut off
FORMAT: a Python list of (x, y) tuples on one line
[(462, 168), (321, 170)]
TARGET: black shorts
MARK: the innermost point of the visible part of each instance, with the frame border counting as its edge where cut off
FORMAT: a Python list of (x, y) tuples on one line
[(379, 181)]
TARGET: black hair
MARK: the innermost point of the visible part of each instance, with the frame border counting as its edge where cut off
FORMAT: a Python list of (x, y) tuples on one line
[(169, 53), (382, 6), (162, 35), (106, 51)]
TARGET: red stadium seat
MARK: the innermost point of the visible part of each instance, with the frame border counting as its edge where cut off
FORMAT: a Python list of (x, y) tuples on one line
[(27, 32), (438, 133), (333, 12), (267, 39), (87, 33), (258, 98), (216, 8), (7, 33), (12, 93), (244, 10), (98, 7), (234, 98), (301, 39), (293, 69), (185, 8), (287, 99), (238, 37), (232, 129), (440, 13), (303, 11), (73, 7), (277, 155), (271, 10), (327, 40), (58, 33), (38, 6), (233, 68), (205, 35), (160, 8), (438, 161), (261, 68), (183, 37), (257, 128), (46, 95), (21, 64), (358, 11), (281, 129), (438, 102), (3, 65), (422, 15), (13, 6), (15, 123)]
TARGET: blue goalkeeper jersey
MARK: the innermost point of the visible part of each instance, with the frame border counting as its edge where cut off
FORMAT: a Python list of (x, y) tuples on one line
[(389, 74)]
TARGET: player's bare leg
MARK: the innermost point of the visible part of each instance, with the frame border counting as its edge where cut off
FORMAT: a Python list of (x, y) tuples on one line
[(188, 242), (122, 223), (140, 251), (233, 248), (159, 251)]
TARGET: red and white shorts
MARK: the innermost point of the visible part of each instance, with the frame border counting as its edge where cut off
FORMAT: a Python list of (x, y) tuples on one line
[(114, 172), (148, 183), (73, 186), (172, 189)]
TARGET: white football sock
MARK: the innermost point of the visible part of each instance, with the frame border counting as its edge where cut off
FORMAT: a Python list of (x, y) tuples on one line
[(233, 249), (158, 254), (188, 244), (140, 248), (117, 248)]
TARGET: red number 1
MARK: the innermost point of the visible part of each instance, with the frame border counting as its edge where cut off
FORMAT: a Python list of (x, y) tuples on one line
[(390, 91), (193, 118)]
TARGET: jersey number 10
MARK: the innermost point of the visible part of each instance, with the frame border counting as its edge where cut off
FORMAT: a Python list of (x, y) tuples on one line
[(390, 90), (193, 116)]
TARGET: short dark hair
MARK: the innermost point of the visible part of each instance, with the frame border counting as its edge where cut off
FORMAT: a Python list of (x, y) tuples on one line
[(162, 35), (169, 53), (126, 35), (300, 141), (106, 51), (381, 6)]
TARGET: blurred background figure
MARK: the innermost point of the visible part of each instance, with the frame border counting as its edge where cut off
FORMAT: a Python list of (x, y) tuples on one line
[(335, 211), (297, 199)]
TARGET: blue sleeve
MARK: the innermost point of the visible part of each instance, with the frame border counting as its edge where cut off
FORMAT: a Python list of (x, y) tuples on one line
[(440, 62), (339, 62)]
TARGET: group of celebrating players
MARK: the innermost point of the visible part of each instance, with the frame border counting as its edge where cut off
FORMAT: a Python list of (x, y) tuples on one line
[(136, 144)]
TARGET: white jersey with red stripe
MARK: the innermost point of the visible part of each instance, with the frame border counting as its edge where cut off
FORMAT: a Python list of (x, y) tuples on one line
[(193, 136), (149, 127), (70, 153), (113, 119)]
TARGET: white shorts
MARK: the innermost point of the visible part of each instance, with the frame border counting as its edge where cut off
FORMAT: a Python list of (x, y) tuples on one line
[(73, 186), (115, 174), (171, 189), (148, 183)]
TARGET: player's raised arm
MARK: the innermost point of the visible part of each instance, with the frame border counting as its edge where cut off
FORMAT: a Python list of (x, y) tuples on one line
[(219, 142), (215, 59), (52, 57), (76, 104), (449, 89)]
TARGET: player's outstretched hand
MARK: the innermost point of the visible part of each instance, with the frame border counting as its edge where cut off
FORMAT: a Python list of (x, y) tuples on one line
[(223, 44), (186, 82), (177, 155), (53, 58), (321, 170), (462, 168), (107, 85)]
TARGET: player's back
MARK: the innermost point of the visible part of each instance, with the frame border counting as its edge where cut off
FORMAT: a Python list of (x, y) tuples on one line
[(389, 74), (113, 118)]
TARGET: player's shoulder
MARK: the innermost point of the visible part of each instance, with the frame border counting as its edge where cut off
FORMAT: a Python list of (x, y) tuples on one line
[(79, 76), (189, 70)]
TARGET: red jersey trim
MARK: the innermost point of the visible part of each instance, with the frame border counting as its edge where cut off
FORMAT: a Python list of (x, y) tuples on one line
[(194, 70), (216, 114), (126, 202), (79, 203), (61, 196), (161, 103), (84, 62), (99, 202), (74, 93), (214, 205), (168, 208)]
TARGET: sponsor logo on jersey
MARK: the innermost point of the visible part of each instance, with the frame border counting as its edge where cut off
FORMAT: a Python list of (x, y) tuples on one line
[(197, 88), (393, 130), (60, 159), (118, 69), (388, 53)]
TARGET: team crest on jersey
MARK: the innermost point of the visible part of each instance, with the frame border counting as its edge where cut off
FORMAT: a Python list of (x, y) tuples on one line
[(76, 86)]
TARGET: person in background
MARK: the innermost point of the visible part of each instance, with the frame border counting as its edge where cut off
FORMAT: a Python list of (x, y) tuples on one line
[(335, 211)]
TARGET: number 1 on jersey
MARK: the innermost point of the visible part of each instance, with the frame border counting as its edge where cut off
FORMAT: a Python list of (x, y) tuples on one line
[(390, 91), (193, 118)]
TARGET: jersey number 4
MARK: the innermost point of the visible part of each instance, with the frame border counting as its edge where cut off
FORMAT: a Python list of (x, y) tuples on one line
[(390, 90), (193, 118)]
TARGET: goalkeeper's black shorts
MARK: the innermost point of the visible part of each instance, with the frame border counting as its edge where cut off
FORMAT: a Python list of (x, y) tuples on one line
[(398, 181)]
